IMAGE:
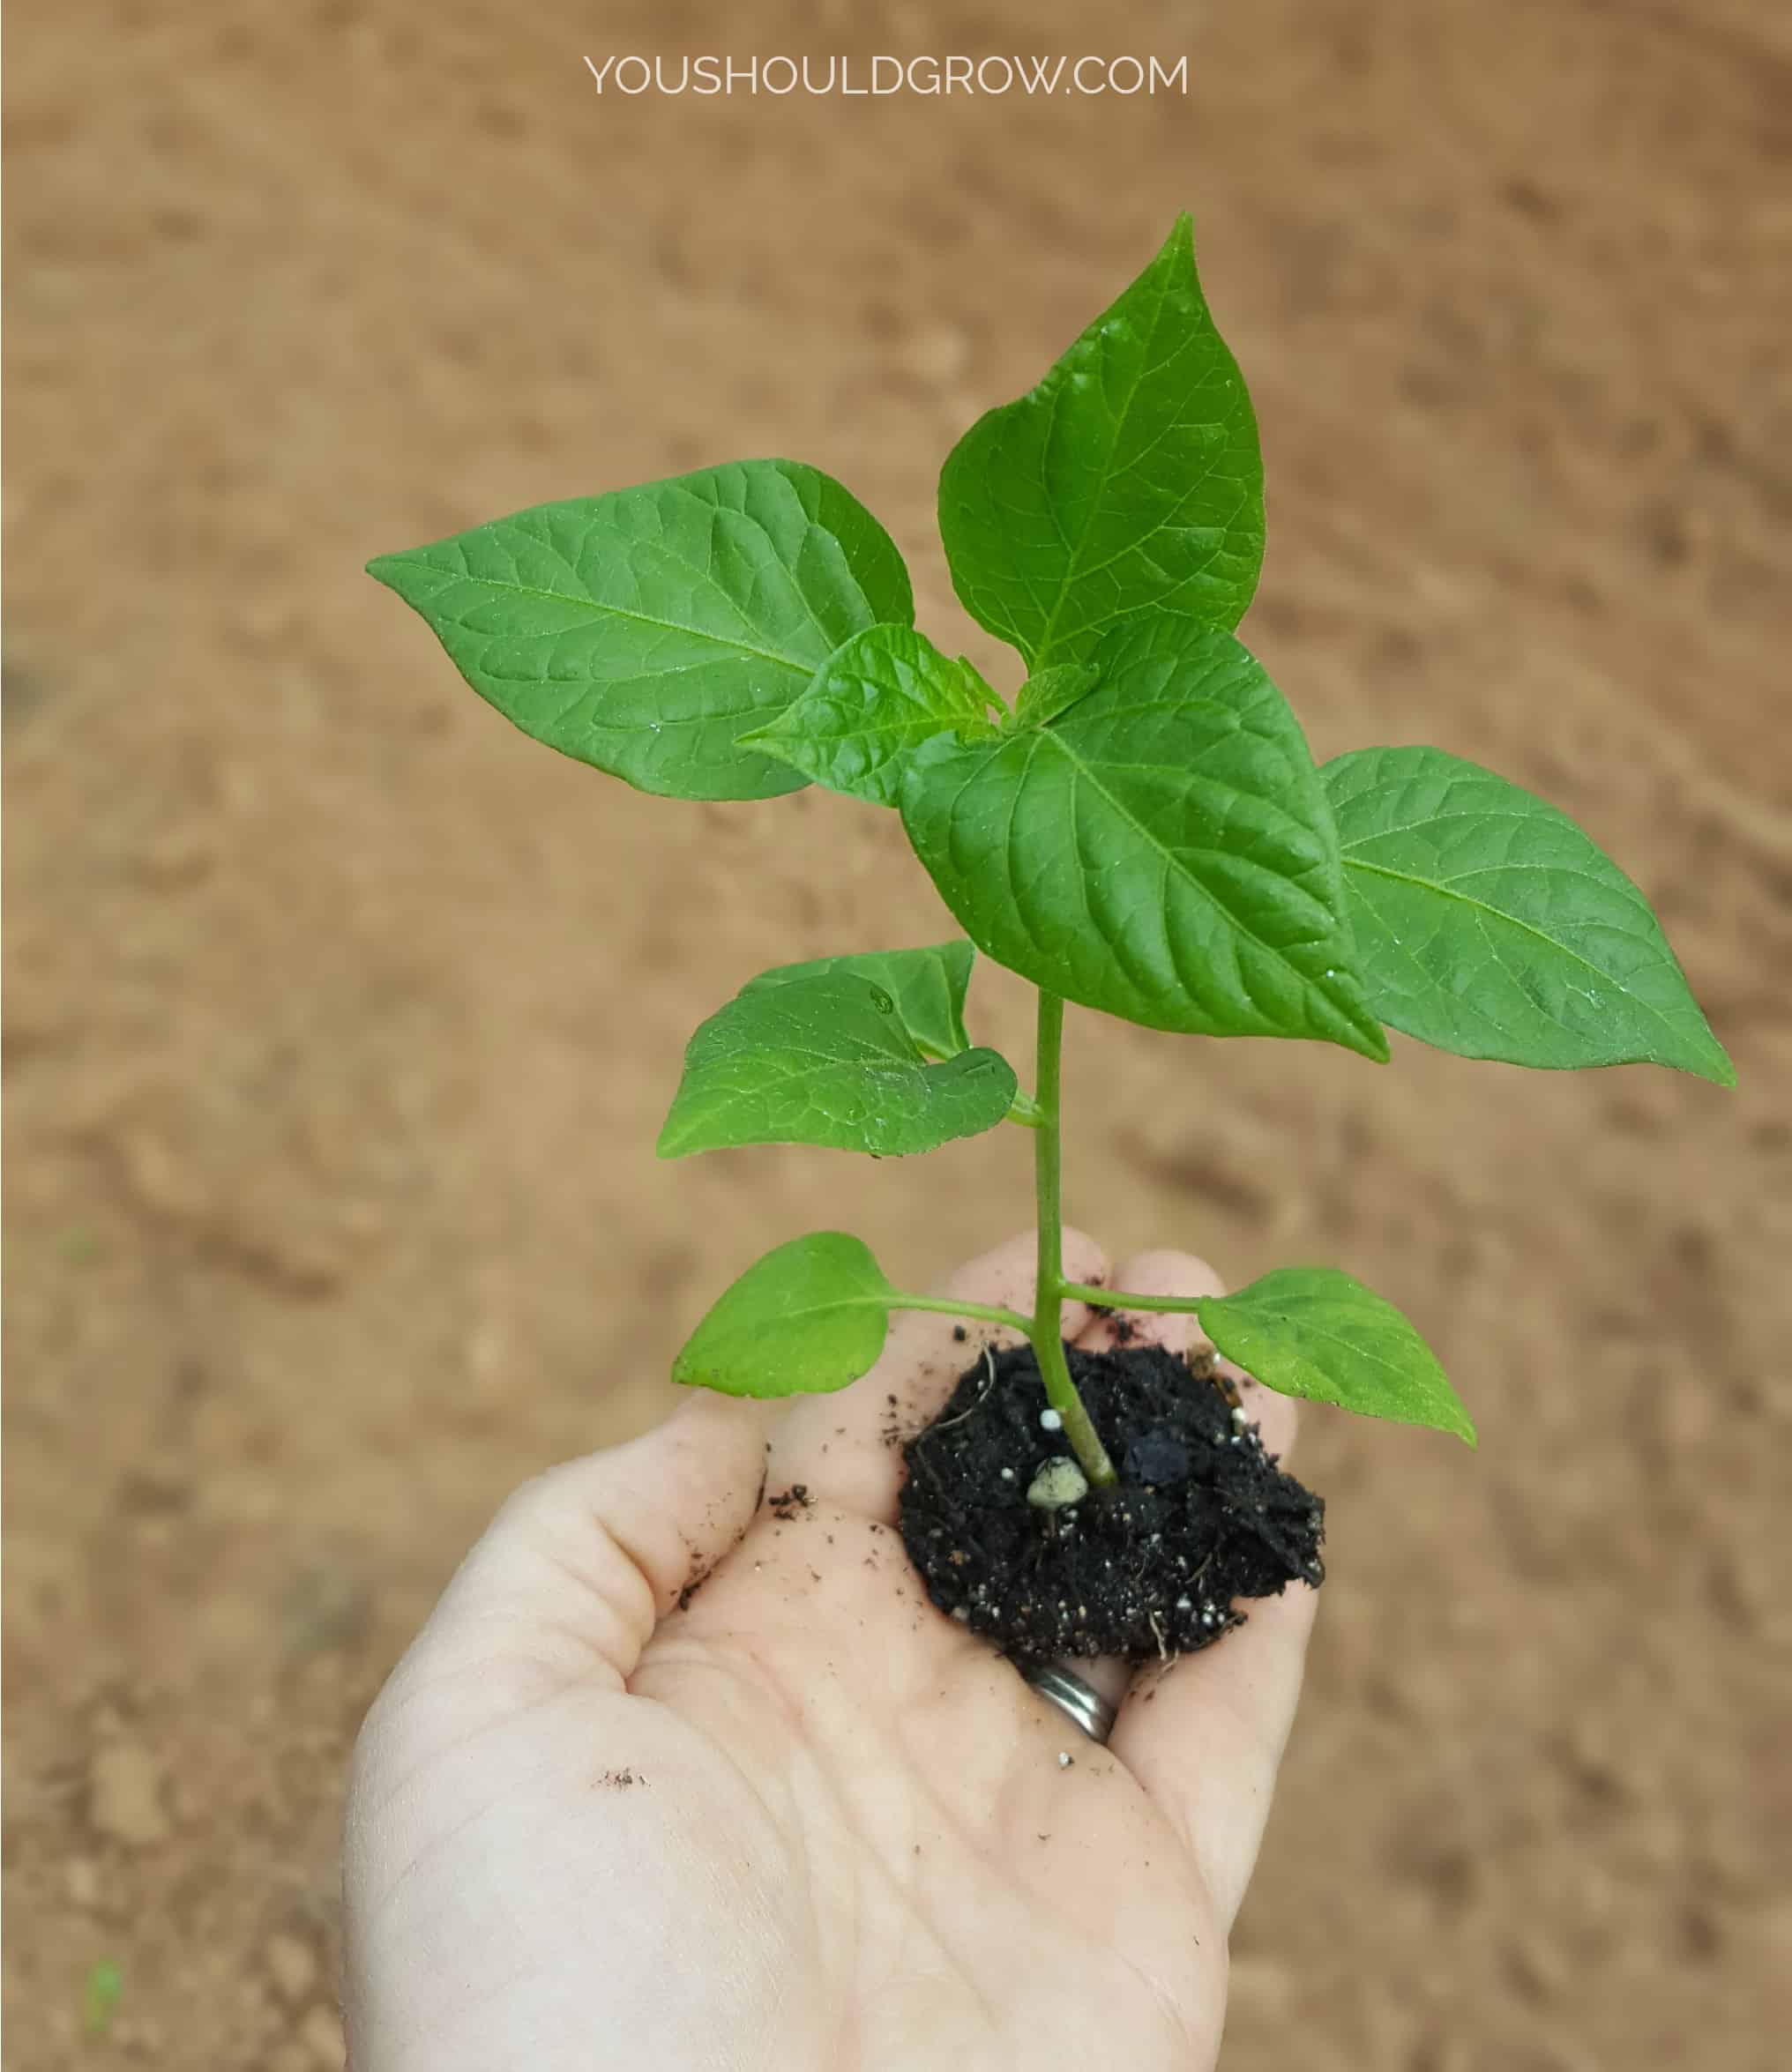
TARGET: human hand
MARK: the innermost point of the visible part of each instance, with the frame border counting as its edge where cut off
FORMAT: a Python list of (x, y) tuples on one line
[(807, 1822)]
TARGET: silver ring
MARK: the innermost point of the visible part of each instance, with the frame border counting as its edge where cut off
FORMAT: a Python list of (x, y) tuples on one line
[(1080, 1704)]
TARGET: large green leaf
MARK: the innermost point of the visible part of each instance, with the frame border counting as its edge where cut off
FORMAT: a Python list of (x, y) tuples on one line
[(644, 630), (811, 1317), (1310, 1331), (1129, 478), (826, 1059), (1163, 851), (928, 988), (870, 705), (1487, 924)]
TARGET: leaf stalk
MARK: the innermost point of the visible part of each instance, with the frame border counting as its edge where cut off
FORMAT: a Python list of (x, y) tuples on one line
[(1124, 1299), (984, 1312), (1024, 1110)]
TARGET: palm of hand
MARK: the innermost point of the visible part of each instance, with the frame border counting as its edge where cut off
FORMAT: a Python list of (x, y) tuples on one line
[(810, 1824)]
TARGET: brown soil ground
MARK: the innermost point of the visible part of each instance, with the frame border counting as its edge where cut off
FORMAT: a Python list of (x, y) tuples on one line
[(342, 1016)]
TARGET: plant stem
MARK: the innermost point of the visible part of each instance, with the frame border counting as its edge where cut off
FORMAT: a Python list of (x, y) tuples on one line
[(1120, 1299), (1047, 1332), (984, 1312)]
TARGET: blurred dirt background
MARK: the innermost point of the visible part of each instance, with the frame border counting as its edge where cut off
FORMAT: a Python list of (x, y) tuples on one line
[(341, 1016)]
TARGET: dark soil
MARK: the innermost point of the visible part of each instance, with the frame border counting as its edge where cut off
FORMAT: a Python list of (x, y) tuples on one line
[(1201, 1517)]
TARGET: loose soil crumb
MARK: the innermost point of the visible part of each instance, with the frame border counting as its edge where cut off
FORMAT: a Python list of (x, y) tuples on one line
[(789, 1502), (1202, 1515), (619, 1781), (701, 1573)]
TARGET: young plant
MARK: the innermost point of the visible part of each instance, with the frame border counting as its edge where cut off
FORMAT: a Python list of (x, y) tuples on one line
[(1143, 831)]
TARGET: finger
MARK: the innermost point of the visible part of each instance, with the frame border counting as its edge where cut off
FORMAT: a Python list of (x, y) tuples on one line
[(575, 1570), (846, 1449), (1205, 1736)]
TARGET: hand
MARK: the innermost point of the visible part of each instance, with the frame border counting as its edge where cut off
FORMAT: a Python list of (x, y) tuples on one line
[(807, 1822)]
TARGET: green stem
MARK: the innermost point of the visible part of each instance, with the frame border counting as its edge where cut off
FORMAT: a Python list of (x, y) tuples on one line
[(985, 1312), (1048, 1333), (1122, 1299)]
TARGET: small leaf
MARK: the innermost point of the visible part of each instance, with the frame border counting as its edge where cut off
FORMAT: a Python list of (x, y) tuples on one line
[(644, 630), (1487, 924), (1162, 852), (870, 704), (826, 1061), (928, 987), (810, 1317), (102, 1992), (1049, 693), (1310, 1331), (1128, 480)]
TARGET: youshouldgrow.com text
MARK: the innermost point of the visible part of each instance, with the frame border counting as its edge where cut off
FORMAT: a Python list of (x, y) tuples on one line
[(852, 78)]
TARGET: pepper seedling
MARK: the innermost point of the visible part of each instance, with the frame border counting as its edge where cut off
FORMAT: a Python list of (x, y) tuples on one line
[(1143, 831)]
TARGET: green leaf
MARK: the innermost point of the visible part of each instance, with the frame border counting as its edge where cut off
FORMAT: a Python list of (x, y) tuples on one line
[(102, 1992), (1310, 1331), (1129, 480), (1049, 693), (826, 1061), (1163, 852), (870, 705), (810, 1317), (1487, 923), (644, 630), (927, 986)]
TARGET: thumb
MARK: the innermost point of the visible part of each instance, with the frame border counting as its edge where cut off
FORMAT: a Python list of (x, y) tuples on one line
[(580, 1563)]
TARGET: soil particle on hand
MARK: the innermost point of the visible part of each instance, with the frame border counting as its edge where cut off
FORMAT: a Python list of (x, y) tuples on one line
[(790, 1504), (1201, 1516), (700, 1573), (619, 1781)]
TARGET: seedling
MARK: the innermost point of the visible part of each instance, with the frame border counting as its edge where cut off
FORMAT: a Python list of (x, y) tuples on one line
[(102, 1992), (1143, 831)]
